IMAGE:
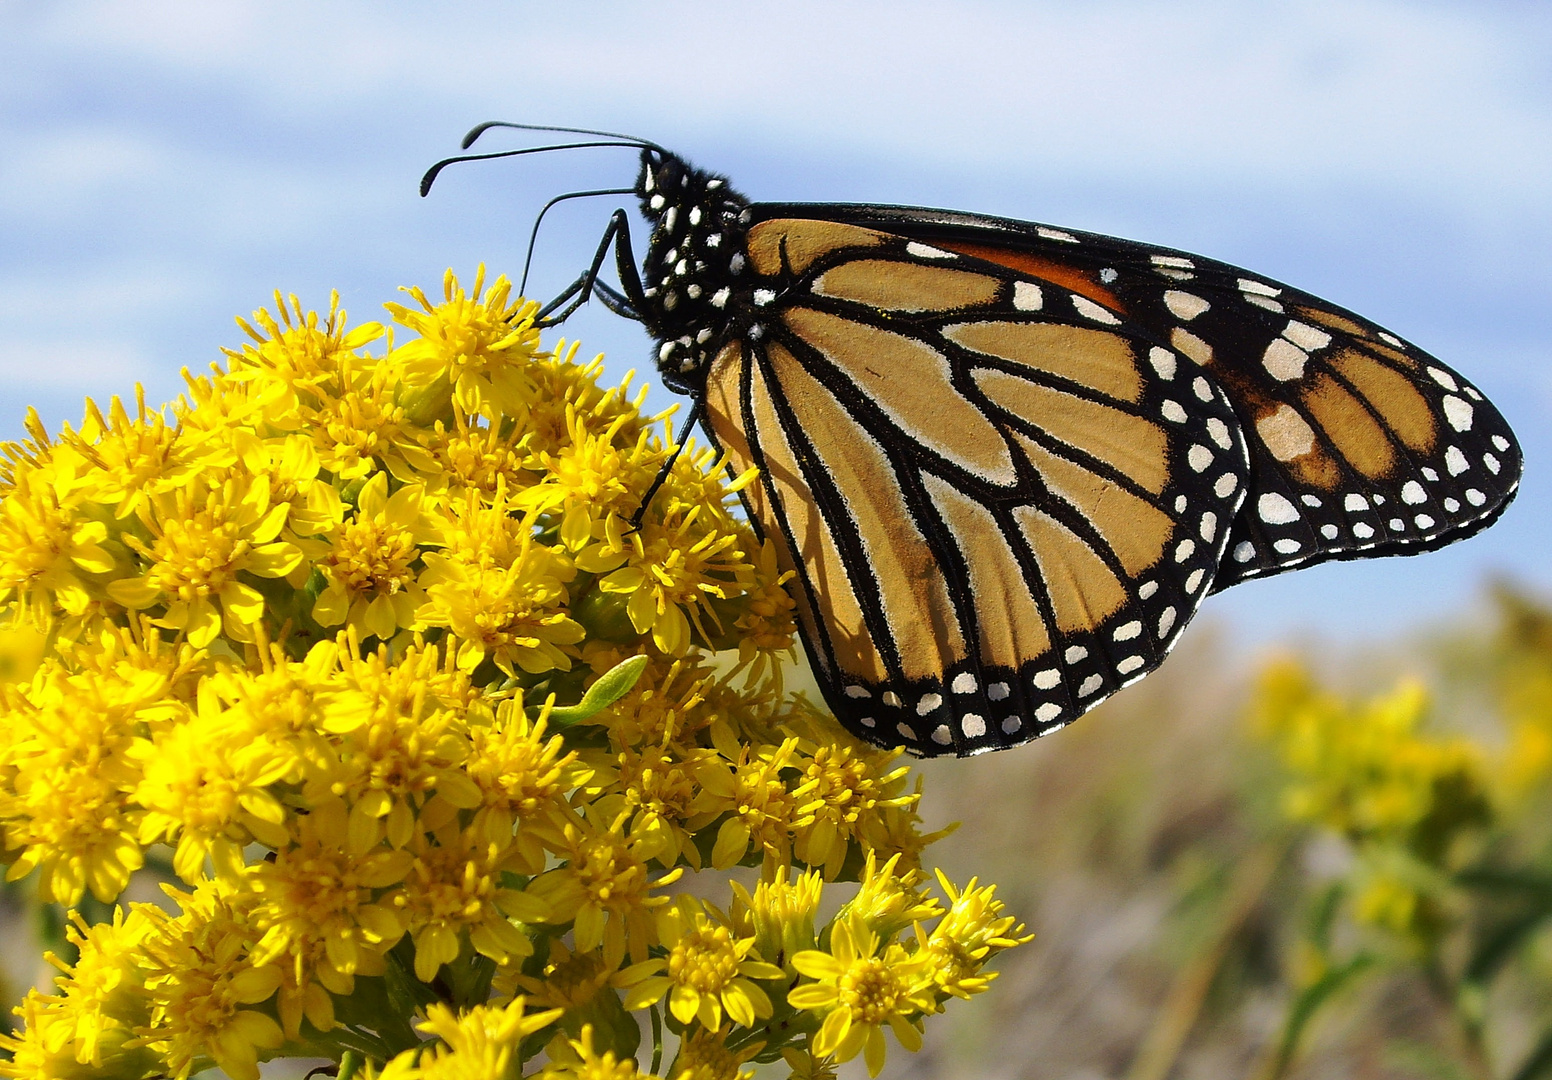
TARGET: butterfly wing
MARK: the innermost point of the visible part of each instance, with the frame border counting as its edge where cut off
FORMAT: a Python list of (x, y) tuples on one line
[(1001, 500), (1360, 443)]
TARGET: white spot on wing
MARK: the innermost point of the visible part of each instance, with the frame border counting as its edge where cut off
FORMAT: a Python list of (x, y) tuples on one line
[(1458, 412), (1173, 412), (928, 703), (1047, 679), (1257, 288), (1244, 551), (1276, 510), (1284, 360), (1056, 234), (927, 251), (1048, 712), (1198, 457), (1088, 309), (1090, 686), (1128, 631), (1129, 665), (1076, 653), (974, 725), (1306, 336), (1027, 296), (1183, 305), (1443, 378), (1163, 362), (964, 683)]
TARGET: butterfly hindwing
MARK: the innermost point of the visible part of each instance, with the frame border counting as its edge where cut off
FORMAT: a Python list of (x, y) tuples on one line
[(1001, 500), (1360, 443)]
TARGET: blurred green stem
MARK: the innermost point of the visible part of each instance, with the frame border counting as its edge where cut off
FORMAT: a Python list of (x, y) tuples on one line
[(1183, 1004)]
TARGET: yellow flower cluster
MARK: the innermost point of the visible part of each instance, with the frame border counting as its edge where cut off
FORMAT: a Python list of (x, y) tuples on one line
[(362, 655), (1403, 799)]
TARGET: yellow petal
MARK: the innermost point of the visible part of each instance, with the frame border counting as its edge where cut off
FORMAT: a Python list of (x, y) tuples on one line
[(242, 602), (732, 843), (135, 593)]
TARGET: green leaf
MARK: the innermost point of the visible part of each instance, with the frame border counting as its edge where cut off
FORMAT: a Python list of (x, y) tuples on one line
[(611, 686), (1503, 941), (1308, 1003), (1507, 882)]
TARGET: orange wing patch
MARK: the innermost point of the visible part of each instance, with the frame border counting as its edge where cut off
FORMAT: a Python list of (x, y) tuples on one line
[(912, 383), (907, 576), (890, 285), (1011, 629), (803, 240), (1101, 361), (1355, 433), (1068, 277), (1084, 593), (1134, 447)]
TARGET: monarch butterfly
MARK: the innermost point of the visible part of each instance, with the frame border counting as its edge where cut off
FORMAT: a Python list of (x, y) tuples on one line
[(1006, 461)]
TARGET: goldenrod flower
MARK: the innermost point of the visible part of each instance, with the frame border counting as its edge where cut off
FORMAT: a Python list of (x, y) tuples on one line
[(479, 1043), (604, 888), (67, 747), (576, 1059), (859, 990), (476, 345), (369, 566), (844, 786), (202, 984), (705, 1056), (203, 537), (780, 914), (452, 889), (706, 971), (970, 934), (318, 625), (317, 903), (671, 574), (50, 548)]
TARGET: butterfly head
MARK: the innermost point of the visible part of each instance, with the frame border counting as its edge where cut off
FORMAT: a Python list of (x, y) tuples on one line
[(694, 265)]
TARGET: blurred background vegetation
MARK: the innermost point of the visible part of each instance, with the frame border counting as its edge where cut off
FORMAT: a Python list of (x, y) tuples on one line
[(1325, 863)]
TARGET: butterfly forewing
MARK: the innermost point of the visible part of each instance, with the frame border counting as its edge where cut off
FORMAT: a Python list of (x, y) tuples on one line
[(1360, 443), (1001, 499)]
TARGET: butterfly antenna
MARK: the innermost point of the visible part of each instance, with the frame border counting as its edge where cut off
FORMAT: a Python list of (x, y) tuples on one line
[(534, 235), (662, 474), (431, 173), (476, 132)]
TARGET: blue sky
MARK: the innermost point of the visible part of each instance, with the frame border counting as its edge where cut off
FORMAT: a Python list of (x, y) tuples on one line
[(165, 166)]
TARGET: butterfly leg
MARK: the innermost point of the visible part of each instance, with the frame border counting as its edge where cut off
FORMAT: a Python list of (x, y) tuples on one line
[(696, 411), (627, 303)]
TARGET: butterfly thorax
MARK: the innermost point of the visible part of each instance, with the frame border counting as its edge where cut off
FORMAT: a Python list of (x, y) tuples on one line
[(694, 267)]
